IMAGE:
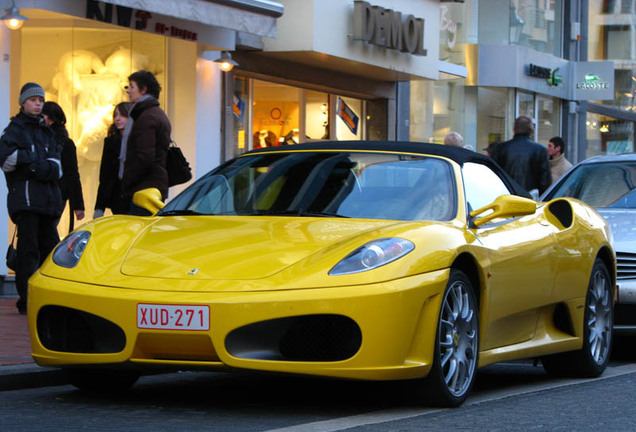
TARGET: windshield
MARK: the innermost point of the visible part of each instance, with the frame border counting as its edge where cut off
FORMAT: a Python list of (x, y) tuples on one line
[(330, 184), (601, 185)]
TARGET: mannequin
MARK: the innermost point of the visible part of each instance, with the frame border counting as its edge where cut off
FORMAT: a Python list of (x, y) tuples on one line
[(292, 137), (264, 138)]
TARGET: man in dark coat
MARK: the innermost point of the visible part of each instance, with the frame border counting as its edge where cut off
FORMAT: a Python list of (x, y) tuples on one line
[(145, 140), (524, 160), (31, 161)]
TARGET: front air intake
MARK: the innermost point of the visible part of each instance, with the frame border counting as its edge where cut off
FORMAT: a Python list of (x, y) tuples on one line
[(70, 330)]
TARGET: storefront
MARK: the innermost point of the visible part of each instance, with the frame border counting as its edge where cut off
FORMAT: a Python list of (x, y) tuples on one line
[(504, 59), (82, 52), (334, 72), (610, 124)]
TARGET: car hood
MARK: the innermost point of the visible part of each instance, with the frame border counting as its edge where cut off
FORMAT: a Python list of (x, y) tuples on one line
[(234, 247), (622, 222)]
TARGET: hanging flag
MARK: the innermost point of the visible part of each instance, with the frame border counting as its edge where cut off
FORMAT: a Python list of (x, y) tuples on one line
[(238, 107), (347, 115)]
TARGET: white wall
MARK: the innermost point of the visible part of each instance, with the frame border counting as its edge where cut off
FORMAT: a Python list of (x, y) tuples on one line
[(5, 114), (208, 116)]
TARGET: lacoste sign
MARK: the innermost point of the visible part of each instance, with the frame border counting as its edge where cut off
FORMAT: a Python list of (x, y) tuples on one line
[(550, 75), (592, 82)]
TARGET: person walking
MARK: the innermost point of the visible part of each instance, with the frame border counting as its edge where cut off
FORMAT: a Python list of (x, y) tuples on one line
[(524, 160), (559, 165), (31, 162), (70, 184), (109, 189), (145, 141)]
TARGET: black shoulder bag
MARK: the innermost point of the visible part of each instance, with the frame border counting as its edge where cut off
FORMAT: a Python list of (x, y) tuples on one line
[(179, 170), (12, 253)]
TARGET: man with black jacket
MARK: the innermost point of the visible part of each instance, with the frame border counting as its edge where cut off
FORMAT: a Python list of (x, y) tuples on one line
[(31, 163), (524, 160)]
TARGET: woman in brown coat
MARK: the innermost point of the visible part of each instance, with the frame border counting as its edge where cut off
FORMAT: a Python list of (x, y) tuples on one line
[(145, 141)]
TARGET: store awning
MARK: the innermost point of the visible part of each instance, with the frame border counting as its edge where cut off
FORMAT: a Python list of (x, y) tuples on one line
[(257, 17)]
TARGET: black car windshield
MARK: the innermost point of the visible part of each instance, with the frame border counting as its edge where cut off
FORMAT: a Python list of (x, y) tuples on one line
[(610, 184), (324, 184)]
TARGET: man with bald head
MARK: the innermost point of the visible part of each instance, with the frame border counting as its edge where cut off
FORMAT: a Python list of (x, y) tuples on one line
[(523, 159)]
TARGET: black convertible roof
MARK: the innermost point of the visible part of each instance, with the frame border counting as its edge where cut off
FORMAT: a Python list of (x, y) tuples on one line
[(457, 154)]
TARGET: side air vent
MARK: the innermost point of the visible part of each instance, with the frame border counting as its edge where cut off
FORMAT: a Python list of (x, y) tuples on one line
[(562, 211)]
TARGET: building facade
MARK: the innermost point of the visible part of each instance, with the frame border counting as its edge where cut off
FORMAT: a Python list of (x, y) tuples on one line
[(310, 70)]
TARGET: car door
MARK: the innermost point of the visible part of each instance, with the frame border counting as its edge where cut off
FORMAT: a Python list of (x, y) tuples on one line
[(520, 272)]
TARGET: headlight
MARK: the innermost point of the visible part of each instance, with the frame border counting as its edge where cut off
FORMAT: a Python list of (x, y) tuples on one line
[(373, 255), (70, 250)]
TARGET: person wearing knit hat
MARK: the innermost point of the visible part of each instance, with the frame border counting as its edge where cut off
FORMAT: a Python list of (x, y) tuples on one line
[(31, 162), (29, 90)]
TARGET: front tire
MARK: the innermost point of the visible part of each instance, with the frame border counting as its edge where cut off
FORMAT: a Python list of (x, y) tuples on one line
[(456, 345), (592, 359)]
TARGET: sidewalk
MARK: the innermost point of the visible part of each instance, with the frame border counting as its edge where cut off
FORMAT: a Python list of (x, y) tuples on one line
[(17, 368)]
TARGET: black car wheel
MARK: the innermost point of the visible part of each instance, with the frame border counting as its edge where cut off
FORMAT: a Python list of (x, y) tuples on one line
[(591, 360)]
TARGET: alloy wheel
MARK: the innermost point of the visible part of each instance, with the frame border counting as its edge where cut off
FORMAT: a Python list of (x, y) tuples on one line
[(458, 338)]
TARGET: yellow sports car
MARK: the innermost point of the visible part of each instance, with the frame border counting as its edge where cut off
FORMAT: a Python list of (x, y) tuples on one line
[(362, 260)]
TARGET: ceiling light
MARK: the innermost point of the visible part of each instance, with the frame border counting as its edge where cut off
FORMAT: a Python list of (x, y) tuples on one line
[(225, 62), (12, 18)]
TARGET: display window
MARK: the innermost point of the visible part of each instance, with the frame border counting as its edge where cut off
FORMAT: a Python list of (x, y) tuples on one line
[(608, 135), (84, 68), (269, 114), (493, 116), (612, 36), (535, 24)]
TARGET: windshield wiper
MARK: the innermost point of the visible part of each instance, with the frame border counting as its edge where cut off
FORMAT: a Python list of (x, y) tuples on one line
[(300, 213), (321, 214), (179, 213)]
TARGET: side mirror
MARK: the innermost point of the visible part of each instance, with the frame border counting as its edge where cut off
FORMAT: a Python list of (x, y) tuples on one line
[(149, 199), (505, 206)]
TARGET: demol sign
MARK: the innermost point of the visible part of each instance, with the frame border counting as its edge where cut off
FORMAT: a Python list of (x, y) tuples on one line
[(388, 28)]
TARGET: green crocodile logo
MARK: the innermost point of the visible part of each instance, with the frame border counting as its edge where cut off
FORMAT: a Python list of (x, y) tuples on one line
[(554, 79), (591, 78)]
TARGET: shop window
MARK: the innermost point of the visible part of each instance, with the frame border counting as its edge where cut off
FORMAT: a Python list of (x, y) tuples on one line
[(268, 114), (535, 24), (491, 116), (525, 105), (276, 113), (449, 105), (317, 113), (85, 70), (608, 135), (548, 119)]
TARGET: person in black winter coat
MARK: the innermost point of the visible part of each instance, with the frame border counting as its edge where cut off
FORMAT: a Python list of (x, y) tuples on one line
[(109, 190), (524, 160), (70, 184), (31, 162)]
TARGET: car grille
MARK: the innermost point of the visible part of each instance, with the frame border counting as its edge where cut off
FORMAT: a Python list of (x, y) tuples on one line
[(626, 265), (70, 330), (319, 338)]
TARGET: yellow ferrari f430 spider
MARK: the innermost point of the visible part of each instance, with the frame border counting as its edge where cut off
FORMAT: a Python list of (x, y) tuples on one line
[(361, 260)]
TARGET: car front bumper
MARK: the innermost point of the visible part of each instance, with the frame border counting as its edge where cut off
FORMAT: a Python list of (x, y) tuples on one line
[(382, 331)]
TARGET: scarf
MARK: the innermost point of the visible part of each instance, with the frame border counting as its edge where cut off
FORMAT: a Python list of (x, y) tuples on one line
[(126, 134)]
